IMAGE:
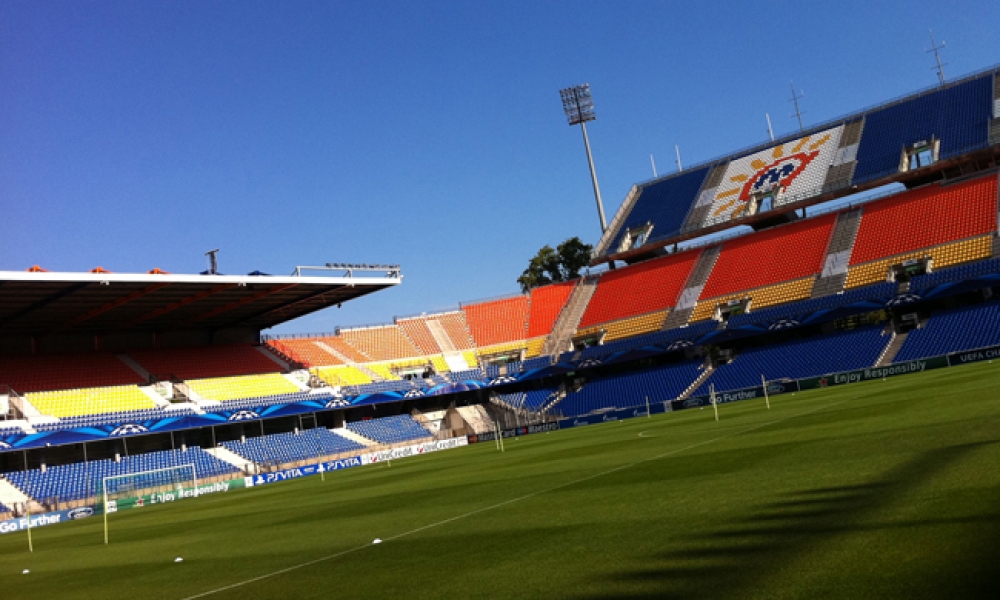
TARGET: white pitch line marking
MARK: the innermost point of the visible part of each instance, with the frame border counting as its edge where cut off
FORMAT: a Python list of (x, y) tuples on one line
[(499, 505)]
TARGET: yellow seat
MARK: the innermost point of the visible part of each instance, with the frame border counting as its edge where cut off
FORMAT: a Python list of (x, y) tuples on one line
[(250, 386), (90, 401)]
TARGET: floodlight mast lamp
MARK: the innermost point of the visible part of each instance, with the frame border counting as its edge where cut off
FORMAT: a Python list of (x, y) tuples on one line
[(579, 107)]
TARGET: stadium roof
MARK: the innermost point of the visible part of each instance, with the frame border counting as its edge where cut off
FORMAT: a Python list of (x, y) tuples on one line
[(42, 303)]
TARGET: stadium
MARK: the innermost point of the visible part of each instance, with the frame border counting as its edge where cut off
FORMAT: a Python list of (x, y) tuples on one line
[(775, 380)]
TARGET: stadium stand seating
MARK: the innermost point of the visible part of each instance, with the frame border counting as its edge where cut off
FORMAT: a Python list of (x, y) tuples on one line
[(283, 448), (944, 256), (631, 327), (65, 371), (113, 418), (457, 329), (90, 401), (954, 330), (341, 345), (380, 342), (451, 324), (376, 387), (390, 430), (249, 386), (255, 403), (503, 348), (770, 257), (966, 271), (532, 400), (77, 481), (631, 389), (535, 346), (809, 306), (536, 399), (382, 370), (639, 289), (762, 297), (539, 362), (343, 375), (417, 330), (928, 216), (305, 351), (7, 426), (809, 357), (497, 321), (664, 204), (958, 116), (546, 303), (469, 374), (689, 333), (204, 362)]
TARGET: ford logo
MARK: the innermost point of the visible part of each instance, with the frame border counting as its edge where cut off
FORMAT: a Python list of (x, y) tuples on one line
[(80, 513)]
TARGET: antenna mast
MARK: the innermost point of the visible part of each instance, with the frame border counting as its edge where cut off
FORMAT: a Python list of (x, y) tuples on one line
[(795, 100), (937, 57)]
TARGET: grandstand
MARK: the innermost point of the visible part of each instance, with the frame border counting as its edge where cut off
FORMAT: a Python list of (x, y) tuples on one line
[(912, 140)]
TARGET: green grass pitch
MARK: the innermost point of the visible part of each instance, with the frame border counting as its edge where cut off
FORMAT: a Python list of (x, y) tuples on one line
[(888, 489)]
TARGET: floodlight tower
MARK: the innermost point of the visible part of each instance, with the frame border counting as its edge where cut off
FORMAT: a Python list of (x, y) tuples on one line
[(579, 107)]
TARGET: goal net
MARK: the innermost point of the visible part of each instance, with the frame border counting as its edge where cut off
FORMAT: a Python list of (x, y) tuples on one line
[(156, 486)]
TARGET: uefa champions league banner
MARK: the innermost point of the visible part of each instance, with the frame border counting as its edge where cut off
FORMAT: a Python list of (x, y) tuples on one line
[(971, 356), (51, 518)]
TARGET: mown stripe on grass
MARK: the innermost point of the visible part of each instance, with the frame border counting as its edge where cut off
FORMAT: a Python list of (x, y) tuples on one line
[(504, 503)]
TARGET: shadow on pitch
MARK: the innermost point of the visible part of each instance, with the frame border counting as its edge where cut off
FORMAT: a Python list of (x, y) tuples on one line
[(742, 558)]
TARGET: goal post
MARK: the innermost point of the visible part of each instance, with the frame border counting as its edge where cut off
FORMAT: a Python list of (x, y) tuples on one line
[(155, 486)]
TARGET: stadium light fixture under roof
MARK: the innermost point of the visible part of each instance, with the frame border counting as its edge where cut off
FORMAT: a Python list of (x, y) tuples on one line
[(578, 104)]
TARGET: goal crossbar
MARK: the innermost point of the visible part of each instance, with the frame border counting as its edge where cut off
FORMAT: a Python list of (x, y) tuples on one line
[(143, 482)]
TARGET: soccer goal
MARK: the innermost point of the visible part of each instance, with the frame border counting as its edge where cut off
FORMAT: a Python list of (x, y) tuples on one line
[(155, 486)]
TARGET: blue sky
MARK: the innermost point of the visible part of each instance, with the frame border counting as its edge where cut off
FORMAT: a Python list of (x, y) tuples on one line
[(140, 134)]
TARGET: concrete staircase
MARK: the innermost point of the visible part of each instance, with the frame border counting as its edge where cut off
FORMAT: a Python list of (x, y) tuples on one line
[(844, 160), (347, 433), (139, 369), (477, 418), (333, 351), (604, 244), (709, 369), (554, 399), (706, 196), (440, 335), (11, 496), (692, 289), (891, 350), (371, 374), (274, 358), (838, 255), (226, 455), (569, 317)]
